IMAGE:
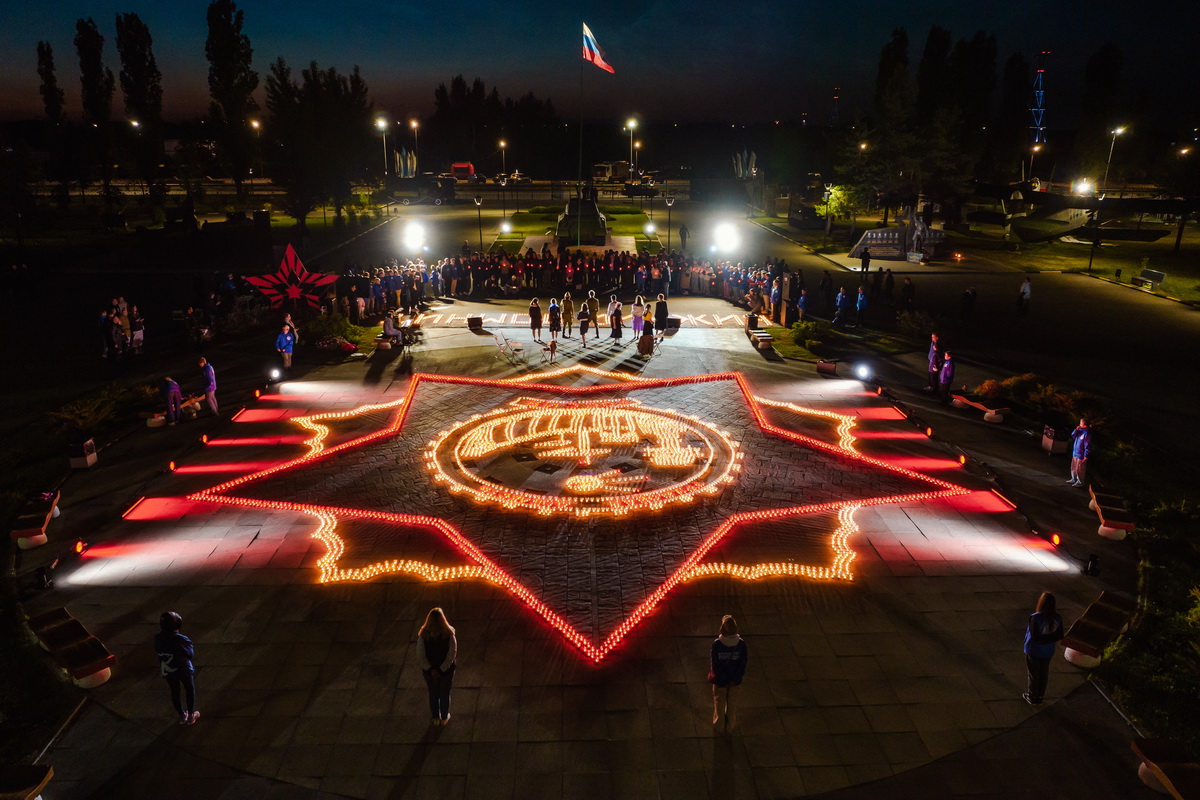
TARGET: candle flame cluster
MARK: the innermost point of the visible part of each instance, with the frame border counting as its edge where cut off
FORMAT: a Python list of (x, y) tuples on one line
[(576, 435), (483, 568)]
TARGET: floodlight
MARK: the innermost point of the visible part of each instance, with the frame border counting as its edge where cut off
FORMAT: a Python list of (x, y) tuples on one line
[(725, 238), (414, 235)]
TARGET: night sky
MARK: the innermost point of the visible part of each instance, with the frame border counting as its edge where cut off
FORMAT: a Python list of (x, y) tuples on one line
[(675, 59)]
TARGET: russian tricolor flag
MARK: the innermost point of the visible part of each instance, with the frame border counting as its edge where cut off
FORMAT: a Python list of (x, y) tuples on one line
[(592, 51)]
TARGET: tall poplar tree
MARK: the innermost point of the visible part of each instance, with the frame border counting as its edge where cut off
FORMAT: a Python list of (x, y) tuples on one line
[(231, 84), (97, 84)]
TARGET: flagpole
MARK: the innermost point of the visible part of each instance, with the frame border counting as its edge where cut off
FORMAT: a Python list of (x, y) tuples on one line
[(579, 180)]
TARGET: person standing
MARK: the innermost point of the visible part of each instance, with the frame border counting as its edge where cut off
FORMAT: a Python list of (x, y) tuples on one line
[(284, 343), (137, 328), (585, 319), (683, 237), (614, 317), (802, 305), (726, 667), (826, 289), (554, 313), (175, 663), (661, 314), (840, 305), (208, 384), (174, 399), (535, 319), (908, 295), (934, 359), (776, 296), (437, 653), (1045, 628), (968, 303), (637, 319), (866, 264), (1081, 448), (568, 315), (860, 307), (889, 287), (945, 378), (1024, 296)]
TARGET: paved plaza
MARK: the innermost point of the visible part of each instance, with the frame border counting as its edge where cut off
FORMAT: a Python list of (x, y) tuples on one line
[(881, 586)]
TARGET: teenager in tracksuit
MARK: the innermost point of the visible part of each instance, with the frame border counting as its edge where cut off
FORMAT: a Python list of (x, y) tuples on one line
[(1081, 448), (727, 667), (1044, 630), (175, 654)]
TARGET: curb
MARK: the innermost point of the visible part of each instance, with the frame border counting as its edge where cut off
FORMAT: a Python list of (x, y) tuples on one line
[(1095, 277)]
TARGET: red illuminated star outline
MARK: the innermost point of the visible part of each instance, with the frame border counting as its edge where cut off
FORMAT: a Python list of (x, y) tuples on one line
[(292, 283), (484, 568)]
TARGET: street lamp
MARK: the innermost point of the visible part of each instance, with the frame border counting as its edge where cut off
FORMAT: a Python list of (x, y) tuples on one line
[(631, 125), (503, 198), (670, 201), (503, 159), (828, 203), (416, 146), (381, 125), (1033, 151), (637, 150), (479, 217), (1115, 133), (257, 126)]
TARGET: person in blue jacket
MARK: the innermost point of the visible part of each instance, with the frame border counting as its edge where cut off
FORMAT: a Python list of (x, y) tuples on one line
[(727, 667), (935, 363), (1045, 629), (208, 384), (946, 377), (802, 305), (175, 653), (1081, 448), (860, 307), (173, 397), (841, 304), (284, 343)]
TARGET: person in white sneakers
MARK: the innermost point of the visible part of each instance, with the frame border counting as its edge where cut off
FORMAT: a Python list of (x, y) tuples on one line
[(175, 654), (437, 653), (1081, 448)]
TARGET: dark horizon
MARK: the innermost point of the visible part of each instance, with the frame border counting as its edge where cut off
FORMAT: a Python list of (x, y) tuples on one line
[(674, 61)]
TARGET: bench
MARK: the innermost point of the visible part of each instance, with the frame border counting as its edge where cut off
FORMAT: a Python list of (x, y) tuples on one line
[(1167, 767), (81, 655), (1150, 279), (1103, 621), (991, 412), (1115, 521), (761, 339), (24, 781), (29, 528)]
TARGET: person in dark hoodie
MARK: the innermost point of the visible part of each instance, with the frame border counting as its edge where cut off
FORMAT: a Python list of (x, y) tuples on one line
[(175, 654), (1045, 629), (727, 667)]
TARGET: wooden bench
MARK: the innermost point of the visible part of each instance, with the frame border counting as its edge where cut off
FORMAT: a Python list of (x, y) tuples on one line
[(1115, 521), (1167, 767), (991, 412), (24, 781), (1104, 620), (29, 528), (761, 339), (81, 655)]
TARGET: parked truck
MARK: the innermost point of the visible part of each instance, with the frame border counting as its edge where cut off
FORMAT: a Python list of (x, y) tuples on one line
[(610, 172)]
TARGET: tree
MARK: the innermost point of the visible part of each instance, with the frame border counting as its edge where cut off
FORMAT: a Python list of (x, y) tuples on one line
[(52, 95), (973, 77), (1008, 133), (53, 100), (934, 90), (320, 133), (97, 86), (141, 83), (231, 84)]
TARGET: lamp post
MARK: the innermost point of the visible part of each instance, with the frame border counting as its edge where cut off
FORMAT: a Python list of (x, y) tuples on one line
[(1033, 151), (637, 151), (257, 126), (503, 198), (479, 217), (828, 199), (503, 159), (381, 125), (631, 125), (1115, 133), (670, 201), (416, 146)]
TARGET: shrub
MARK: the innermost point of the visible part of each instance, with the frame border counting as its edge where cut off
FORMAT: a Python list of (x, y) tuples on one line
[(321, 327), (809, 331), (915, 324), (620, 210)]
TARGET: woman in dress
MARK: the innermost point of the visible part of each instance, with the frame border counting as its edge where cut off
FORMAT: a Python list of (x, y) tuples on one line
[(437, 654), (660, 314), (535, 319), (585, 318), (638, 310), (568, 314), (555, 315), (614, 317)]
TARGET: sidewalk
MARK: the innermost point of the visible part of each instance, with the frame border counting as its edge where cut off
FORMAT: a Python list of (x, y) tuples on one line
[(909, 676)]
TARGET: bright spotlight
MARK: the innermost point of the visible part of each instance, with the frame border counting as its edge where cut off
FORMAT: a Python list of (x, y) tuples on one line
[(275, 374), (414, 236), (1084, 187), (725, 238), (506, 227), (863, 372), (650, 229)]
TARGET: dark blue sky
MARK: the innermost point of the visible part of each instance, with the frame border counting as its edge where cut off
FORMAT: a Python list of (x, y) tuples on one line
[(675, 60)]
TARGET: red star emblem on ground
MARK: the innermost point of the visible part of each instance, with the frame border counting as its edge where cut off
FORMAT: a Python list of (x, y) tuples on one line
[(588, 503), (292, 282)]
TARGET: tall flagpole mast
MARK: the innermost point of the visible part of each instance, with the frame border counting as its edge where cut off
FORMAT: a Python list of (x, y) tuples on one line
[(579, 180)]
